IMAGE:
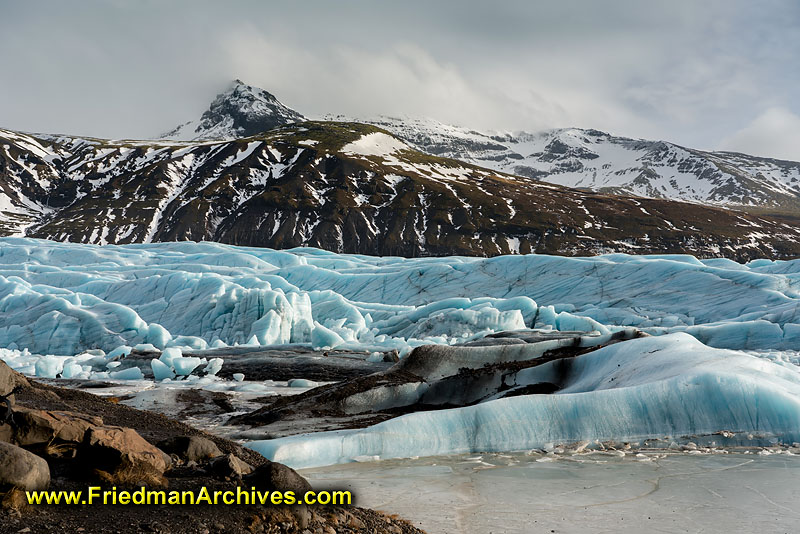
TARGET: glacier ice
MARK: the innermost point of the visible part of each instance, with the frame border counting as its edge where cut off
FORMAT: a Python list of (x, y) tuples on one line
[(161, 371), (64, 299), (184, 365), (644, 388), (131, 373), (301, 383)]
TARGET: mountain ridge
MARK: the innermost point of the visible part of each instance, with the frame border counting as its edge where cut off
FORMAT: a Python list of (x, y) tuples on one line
[(574, 157), (598, 161), (344, 187)]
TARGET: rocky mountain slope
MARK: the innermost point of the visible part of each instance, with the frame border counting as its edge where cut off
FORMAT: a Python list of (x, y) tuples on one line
[(240, 111), (345, 187), (597, 161), (586, 159)]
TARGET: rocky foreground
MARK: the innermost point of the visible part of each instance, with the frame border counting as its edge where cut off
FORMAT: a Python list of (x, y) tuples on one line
[(62, 439)]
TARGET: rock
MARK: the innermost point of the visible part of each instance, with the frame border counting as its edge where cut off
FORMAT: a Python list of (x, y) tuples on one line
[(230, 465), (13, 500), (275, 476), (39, 427), (10, 379), (302, 515), (6, 432), (22, 469), (121, 456), (391, 356), (191, 448)]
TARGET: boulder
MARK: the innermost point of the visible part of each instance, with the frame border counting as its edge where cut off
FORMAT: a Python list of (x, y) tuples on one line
[(39, 427), (10, 379), (22, 469), (231, 466), (191, 448), (275, 476), (121, 456)]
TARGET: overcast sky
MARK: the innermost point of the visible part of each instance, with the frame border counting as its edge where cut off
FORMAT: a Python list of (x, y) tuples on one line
[(712, 74)]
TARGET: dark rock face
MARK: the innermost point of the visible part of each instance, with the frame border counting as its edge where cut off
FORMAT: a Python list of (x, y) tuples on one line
[(305, 185)]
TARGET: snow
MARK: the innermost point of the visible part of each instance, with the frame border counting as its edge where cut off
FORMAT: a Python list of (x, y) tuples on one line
[(648, 388), (374, 144), (597, 160)]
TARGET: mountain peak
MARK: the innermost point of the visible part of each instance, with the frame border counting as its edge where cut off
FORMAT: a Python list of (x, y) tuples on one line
[(241, 110)]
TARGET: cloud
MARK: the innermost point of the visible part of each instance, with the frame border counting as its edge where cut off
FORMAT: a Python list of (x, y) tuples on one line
[(399, 79), (774, 133), (685, 71)]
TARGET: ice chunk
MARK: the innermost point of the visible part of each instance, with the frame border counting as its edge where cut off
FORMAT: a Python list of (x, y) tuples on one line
[(122, 350), (323, 338), (161, 370), (301, 383), (72, 370), (214, 366), (184, 365), (169, 354), (131, 373), (238, 377), (49, 366)]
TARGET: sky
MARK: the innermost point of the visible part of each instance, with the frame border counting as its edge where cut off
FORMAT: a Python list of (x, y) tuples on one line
[(715, 75)]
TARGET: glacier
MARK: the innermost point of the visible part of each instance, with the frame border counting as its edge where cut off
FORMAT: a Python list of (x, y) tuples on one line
[(661, 388), (75, 311), (64, 299)]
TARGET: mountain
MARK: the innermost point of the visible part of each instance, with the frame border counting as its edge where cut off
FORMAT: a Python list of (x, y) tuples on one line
[(240, 111), (597, 161), (573, 157), (345, 187)]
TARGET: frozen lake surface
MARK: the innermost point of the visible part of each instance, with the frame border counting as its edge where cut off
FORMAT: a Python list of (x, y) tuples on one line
[(599, 492)]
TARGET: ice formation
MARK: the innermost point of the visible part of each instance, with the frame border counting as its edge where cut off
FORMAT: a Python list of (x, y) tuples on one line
[(76, 311), (655, 387), (63, 299)]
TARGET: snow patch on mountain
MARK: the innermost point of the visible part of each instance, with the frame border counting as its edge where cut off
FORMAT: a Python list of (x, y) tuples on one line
[(374, 144), (595, 160)]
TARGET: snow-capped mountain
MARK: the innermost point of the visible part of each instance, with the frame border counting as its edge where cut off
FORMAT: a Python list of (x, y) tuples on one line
[(573, 157), (240, 111), (598, 161), (344, 187)]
